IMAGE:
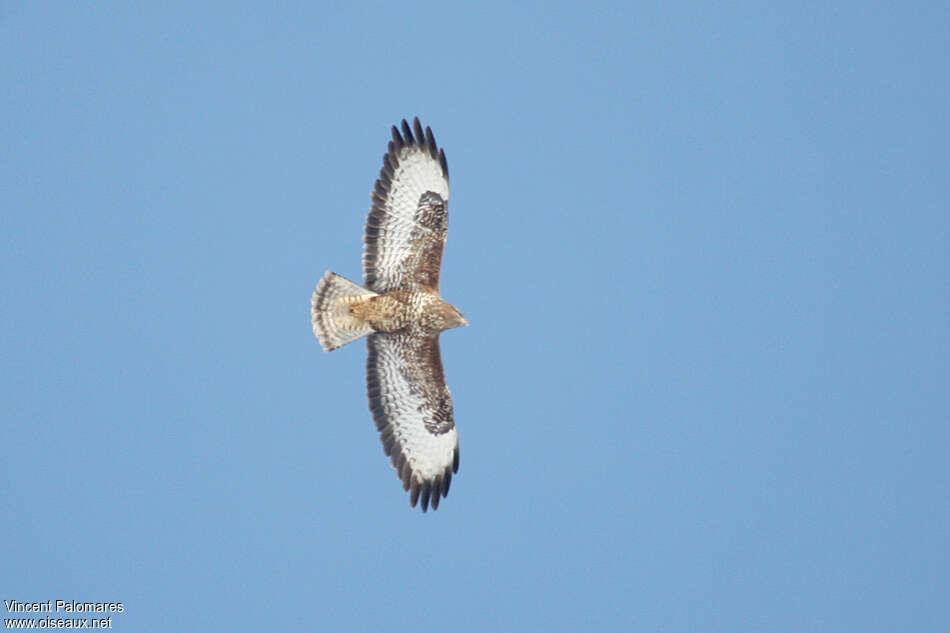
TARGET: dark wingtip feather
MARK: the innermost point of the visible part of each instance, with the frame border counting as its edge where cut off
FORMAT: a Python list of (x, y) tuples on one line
[(417, 128), (455, 461), (446, 482), (407, 133), (414, 494), (426, 491), (397, 139), (444, 163), (430, 144)]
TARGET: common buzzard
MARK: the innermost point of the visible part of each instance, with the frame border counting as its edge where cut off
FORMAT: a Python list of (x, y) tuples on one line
[(400, 309)]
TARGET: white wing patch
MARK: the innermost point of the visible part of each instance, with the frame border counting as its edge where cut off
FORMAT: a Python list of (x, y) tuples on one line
[(416, 174)]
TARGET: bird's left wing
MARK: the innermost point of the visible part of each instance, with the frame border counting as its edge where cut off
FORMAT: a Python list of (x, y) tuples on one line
[(412, 407), (408, 220)]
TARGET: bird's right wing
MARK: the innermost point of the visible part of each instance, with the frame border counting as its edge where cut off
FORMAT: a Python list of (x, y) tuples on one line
[(412, 407)]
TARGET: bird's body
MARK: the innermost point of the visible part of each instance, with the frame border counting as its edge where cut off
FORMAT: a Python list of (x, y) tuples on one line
[(401, 311), (416, 312)]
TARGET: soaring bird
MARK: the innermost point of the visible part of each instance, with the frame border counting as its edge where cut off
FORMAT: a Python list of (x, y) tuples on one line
[(401, 312)]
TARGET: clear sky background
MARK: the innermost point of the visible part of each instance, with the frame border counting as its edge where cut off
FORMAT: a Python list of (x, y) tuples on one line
[(704, 255)]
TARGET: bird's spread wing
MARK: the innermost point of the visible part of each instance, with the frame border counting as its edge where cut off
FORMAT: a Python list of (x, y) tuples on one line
[(413, 411), (408, 220)]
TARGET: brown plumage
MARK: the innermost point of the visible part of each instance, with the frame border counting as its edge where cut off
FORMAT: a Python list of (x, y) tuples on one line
[(402, 311)]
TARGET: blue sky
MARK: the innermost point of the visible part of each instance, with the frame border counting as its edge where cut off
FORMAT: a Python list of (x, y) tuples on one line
[(702, 249)]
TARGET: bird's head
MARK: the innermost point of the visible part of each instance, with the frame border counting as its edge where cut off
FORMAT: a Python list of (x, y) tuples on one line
[(451, 317)]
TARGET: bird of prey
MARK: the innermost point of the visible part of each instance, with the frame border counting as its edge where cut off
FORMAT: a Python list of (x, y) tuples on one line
[(400, 310)]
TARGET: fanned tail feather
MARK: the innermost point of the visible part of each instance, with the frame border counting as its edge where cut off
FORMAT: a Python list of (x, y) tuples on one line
[(330, 311)]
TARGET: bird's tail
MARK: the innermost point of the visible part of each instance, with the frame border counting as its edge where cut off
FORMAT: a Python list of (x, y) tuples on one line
[(330, 311)]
